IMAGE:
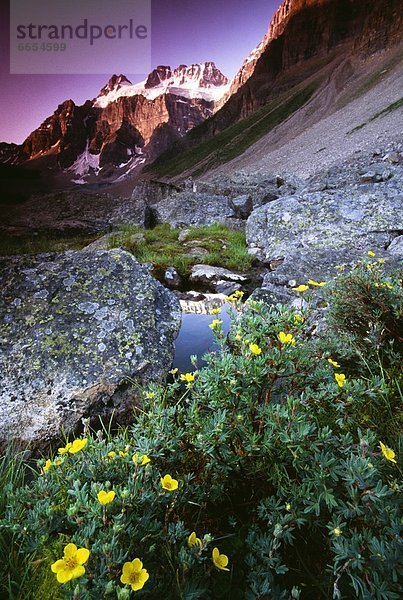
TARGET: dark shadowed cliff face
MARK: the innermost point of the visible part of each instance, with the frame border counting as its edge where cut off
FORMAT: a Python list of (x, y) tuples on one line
[(302, 37)]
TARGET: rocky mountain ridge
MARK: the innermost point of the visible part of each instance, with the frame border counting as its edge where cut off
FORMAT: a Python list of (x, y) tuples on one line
[(125, 123), (313, 49)]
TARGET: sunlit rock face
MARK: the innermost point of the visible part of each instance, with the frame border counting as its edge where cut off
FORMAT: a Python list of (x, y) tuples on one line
[(125, 122)]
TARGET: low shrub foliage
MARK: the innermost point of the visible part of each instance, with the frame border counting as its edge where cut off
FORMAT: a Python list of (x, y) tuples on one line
[(272, 473)]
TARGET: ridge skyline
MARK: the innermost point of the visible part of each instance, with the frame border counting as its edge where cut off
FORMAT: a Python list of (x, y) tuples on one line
[(225, 40)]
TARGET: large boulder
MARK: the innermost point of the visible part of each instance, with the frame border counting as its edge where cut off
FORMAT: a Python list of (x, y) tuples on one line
[(308, 235), (190, 208), (76, 329)]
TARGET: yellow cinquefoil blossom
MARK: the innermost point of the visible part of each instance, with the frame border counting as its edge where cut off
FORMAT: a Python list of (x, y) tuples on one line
[(333, 363), (215, 311), (134, 575), (388, 453), (370, 253), (77, 445), (215, 324), (174, 371), (47, 465), (220, 560), (141, 457), (316, 283), (65, 449), (106, 497), (340, 379), (193, 540), (286, 338), (188, 377), (71, 565), (301, 288), (337, 531), (254, 348), (168, 483), (298, 318)]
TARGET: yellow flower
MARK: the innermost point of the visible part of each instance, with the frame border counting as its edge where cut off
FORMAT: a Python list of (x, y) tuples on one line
[(58, 461), (340, 379), (316, 283), (220, 560), (150, 395), (370, 253), (388, 453), (286, 338), (111, 454), (298, 318), (215, 311), (133, 574), (71, 565), (168, 483), (123, 454), (174, 371), (254, 348), (65, 449), (105, 497), (288, 506), (301, 288), (337, 531), (215, 324), (333, 363), (193, 540), (78, 445), (188, 377), (238, 338), (47, 465), (143, 457)]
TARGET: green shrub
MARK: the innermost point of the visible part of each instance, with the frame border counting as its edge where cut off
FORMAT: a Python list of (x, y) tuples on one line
[(278, 464)]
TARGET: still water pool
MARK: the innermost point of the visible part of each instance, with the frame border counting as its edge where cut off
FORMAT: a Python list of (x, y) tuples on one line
[(195, 336)]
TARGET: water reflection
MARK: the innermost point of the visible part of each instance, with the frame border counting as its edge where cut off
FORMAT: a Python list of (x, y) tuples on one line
[(195, 336)]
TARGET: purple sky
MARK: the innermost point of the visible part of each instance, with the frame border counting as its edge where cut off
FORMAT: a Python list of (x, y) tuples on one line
[(183, 32)]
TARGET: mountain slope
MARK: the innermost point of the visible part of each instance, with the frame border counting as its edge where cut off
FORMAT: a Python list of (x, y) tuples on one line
[(318, 44)]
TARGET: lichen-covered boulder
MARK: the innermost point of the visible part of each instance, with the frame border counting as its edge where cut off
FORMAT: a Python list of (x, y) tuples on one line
[(307, 236), (75, 330), (194, 209)]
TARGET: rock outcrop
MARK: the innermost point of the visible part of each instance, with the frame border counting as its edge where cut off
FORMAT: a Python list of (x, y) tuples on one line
[(336, 220), (76, 330)]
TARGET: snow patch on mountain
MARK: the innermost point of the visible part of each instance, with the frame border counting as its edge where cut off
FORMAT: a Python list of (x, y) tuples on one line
[(202, 81), (85, 163)]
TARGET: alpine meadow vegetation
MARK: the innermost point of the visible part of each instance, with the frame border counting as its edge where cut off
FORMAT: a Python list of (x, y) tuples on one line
[(272, 473)]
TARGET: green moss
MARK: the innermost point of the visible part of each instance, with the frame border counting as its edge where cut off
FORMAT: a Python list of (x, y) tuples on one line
[(161, 247)]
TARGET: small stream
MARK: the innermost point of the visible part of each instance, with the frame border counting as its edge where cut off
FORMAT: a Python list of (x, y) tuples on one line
[(195, 336)]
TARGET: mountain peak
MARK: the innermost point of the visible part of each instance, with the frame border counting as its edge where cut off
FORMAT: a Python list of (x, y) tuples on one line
[(115, 83), (204, 81)]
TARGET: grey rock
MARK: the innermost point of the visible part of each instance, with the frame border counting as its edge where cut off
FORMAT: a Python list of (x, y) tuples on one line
[(242, 206), (396, 247), (172, 277), (183, 235), (193, 209), (226, 287), (392, 157), (68, 354), (324, 221), (215, 276)]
